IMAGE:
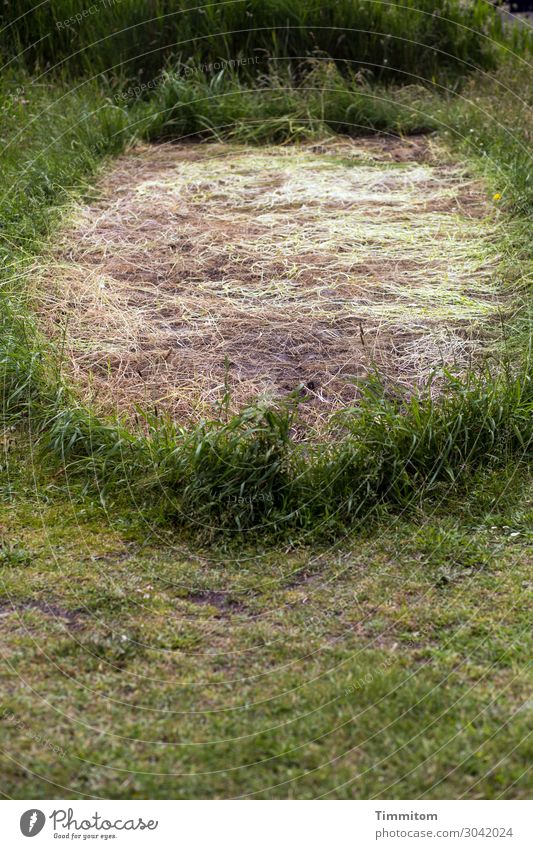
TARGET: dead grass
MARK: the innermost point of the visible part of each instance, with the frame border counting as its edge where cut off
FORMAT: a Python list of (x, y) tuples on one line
[(270, 270)]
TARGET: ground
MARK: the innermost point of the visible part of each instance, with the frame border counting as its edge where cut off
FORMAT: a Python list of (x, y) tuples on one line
[(392, 664), (139, 662), (202, 269)]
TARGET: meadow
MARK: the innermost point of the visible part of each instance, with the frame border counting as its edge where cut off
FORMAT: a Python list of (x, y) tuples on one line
[(191, 555)]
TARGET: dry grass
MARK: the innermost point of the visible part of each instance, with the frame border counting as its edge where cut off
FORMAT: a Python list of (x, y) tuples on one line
[(271, 270)]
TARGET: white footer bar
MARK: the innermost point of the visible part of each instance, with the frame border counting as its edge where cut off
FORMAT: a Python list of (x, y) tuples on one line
[(268, 824)]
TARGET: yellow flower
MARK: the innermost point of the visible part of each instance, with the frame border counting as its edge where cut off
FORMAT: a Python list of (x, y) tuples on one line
[(497, 196)]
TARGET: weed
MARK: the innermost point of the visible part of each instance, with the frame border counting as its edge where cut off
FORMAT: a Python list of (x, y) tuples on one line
[(13, 554)]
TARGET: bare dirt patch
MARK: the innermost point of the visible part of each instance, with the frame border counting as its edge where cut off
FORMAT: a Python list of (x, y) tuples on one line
[(269, 271), (72, 619)]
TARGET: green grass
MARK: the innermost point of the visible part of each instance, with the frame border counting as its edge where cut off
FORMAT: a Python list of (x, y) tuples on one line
[(248, 473), (177, 635), (135, 37), (278, 110), (53, 137), (392, 665)]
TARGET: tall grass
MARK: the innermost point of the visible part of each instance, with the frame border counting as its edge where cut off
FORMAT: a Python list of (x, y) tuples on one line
[(137, 37), (52, 137), (248, 473), (492, 121)]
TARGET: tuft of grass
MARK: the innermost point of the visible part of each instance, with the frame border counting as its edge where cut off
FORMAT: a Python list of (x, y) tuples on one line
[(12, 554), (53, 137)]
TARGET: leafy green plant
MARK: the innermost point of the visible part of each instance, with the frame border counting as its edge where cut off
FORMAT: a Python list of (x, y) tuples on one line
[(13, 554)]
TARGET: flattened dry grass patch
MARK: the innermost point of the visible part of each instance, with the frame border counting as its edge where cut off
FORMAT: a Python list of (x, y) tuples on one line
[(204, 271)]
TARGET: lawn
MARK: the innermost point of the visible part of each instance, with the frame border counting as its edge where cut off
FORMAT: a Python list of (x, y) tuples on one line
[(265, 487)]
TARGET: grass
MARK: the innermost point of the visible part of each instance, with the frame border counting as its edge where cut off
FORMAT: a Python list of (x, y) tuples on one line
[(289, 308), (136, 39), (223, 610), (248, 474), (391, 449), (392, 664)]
